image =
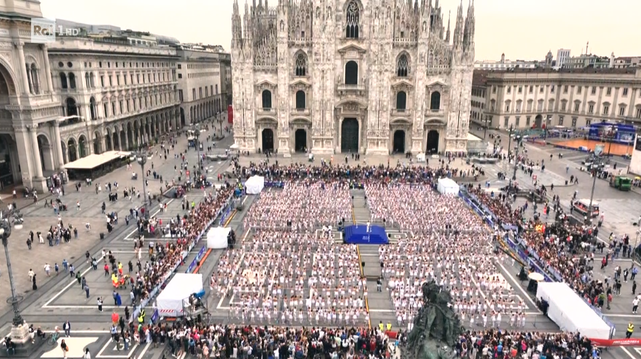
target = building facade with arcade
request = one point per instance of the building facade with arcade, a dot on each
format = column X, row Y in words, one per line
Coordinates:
column 64, row 100
column 367, row 76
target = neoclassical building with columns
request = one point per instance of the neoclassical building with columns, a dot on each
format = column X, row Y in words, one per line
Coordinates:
column 367, row 76
column 67, row 99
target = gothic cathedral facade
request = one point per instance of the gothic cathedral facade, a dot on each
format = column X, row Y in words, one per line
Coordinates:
column 337, row 76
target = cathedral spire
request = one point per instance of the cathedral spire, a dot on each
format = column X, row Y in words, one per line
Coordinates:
column 447, row 34
column 458, row 29
column 468, row 34
column 236, row 27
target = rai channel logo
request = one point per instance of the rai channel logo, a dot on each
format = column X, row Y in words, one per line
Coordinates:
column 45, row 31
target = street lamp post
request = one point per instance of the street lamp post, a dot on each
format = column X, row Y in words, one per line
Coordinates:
column 5, row 232
column 141, row 157
column 509, row 143
column 197, row 143
column 593, row 169
column 516, row 155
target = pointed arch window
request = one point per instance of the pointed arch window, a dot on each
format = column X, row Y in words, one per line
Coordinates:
column 301, row 65
column 352, row 20
column 402, row 66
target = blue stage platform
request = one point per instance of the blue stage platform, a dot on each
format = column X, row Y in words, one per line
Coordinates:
column 361, row 234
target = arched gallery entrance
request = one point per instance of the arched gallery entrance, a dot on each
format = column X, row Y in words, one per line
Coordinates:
column 349, row 135
column 300, row 140
column 268, row 140
column 432, row 142
column 538, row 121
column 398, row 145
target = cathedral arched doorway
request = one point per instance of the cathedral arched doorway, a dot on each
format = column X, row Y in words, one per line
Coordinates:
column 398, row 145
column 268, row 140
column 300, row 140
column 538, row 121
column 432, row 142
column 349, row 135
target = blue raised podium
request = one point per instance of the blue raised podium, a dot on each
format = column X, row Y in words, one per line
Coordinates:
column 363, row 234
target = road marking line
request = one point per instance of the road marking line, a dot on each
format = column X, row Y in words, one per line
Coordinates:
column 142, row 355
column 70, row 284
column 625, row 350
column 382, row 311
column 109, row 342
column 526, row 296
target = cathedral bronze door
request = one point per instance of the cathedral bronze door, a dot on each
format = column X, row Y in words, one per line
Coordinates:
column 399, row 141
column 300, row 140
column 268, row 140
column 349, row 135
column 432, row 142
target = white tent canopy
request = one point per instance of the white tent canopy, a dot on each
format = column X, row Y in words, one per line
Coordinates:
column 570, row 312
column 181, row 286
column 217, row 237
column 255, row 184
column 447, row 186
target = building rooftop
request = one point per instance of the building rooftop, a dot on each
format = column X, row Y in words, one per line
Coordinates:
column 584, row 70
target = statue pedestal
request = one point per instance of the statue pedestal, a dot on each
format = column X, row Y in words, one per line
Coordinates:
column 20, row 334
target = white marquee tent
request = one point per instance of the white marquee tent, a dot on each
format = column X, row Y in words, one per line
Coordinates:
column 447, row 186
column 217, row 237
column 570, row 312
column 170, row 301
column 255, row 184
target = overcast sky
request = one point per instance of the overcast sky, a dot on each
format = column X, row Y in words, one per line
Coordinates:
column 522, row 29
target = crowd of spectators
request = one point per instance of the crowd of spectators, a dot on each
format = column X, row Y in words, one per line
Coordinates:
column 167, row 257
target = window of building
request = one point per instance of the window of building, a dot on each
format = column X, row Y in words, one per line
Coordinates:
column 402, row 66
column 591, row 108
column 606, row 109
column 105, row 109
column 509, row 89
column 180, row 76
column 520, row 89
column 577, row 106
column 588, row 121
column 540, row 91
column 180, row 95
column 579, row 89
column 563, row 105
column 200, row 92
column 518, row 121
column 117, row 80
column 560, row 120
column 608, row 92
column 625, row 91
column 552, row 89
column 527, row 121
column 574, row 119
column 352, row 20
column 594, row 90
column 531, row 88
column 638, row 112
column 180, row 66
column 494, row 89
column 506, row 121
column 565, row 89
column 193, row 94
column 622, row 111
column 507, row 106
column 110, row 81
column 301, row 64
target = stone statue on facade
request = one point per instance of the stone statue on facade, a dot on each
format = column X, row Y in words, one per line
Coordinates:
column 437, row 328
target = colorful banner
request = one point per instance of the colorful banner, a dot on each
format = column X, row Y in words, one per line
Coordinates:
column 632, row 342
column 230, row 114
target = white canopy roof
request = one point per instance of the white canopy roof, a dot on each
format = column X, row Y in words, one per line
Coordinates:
column 94, row 160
